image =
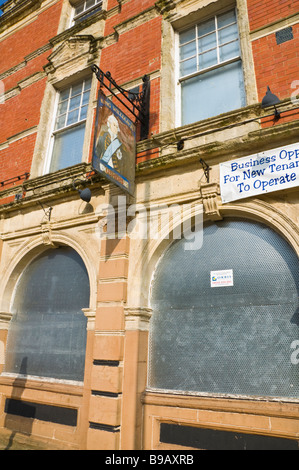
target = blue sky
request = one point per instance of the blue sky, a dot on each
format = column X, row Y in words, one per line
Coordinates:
column 1, row 3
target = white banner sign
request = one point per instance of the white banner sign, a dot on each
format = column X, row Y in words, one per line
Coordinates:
column 260, row 173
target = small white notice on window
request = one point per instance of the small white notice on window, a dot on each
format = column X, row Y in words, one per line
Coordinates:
column 222, row 278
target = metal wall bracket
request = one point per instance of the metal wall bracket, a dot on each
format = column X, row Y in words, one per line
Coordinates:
column 206, row 169
column 136, row 103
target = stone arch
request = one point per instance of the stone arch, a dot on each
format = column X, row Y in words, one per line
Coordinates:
column 259, row 307
column 30, row 250
column 50, row 322
column 150, row 251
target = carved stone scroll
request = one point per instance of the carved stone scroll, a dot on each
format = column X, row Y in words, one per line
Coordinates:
column 210, row 199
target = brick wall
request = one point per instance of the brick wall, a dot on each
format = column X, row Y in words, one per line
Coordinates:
column 128, row 10
column 266, row 12
column 135, row 52
column 22, row 111
column 16, row 46
column 24, row 86
column 276, row 65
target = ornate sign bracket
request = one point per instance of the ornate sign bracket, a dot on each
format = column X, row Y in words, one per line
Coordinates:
column 139, row 102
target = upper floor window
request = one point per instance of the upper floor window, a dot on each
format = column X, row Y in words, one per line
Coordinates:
column 85, row 8
column 210, row 68
column 69, row 129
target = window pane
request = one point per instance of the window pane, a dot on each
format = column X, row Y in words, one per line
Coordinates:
column 228, row 34
column 75, row 102
column 233, row 340
column 87, row 84
column 76, row 89
column 229, row 51
column 68, row 148
column 60, row 122
column 62, row 107
column 188, row 50
column 48, row 329
column 85, row 99
column 89, row 4
column 207, row 59
column 188, row 66
column 207, row 42
column 79, row 8
column 187, row 36
column 73, row 117
column 226, row 18
column 83, row 112
column 213, row 93
column 64, row 94
column 206, row 27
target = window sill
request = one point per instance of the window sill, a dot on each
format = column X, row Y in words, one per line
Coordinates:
column 270, row 406
column 42, row 383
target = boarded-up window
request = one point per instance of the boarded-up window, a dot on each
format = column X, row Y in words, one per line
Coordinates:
column 48, row 328
column 235, row 338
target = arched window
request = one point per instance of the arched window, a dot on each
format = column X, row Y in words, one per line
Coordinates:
column 229, row 339
column 48, row 327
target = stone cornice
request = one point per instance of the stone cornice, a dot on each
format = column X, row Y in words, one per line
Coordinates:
column 23, row 64
column 59, row 184
column 47, row 229
column 219, row 149
column 16, row 10
column 137, row 318
column 5, row 317
column 172, row 136
column 48, row 187
column 249, row 141
column 274, row 26
column 164, row 6
column 24, row 83
column 70, row 50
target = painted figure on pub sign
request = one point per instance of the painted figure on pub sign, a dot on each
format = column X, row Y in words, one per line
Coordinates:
column 114, row 151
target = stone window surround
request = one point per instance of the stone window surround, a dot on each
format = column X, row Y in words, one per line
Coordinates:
column 67, row 14
column 86, row 10
column 185, row 14
column 68, row 63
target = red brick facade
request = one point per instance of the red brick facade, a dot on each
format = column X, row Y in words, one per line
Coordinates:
column 262, row 15
column 135, row 53
column 43, row 53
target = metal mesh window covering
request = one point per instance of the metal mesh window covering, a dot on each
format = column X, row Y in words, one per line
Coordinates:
column 47, row 334
column 284, row 35
column 227, row 340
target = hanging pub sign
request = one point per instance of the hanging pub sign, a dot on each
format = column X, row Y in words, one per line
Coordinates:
column 260, row 173
column 114, row 149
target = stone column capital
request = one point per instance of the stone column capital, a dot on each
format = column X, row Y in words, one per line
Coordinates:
column 137, row 318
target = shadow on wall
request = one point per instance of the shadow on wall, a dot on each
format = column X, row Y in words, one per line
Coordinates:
column 12, row 405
